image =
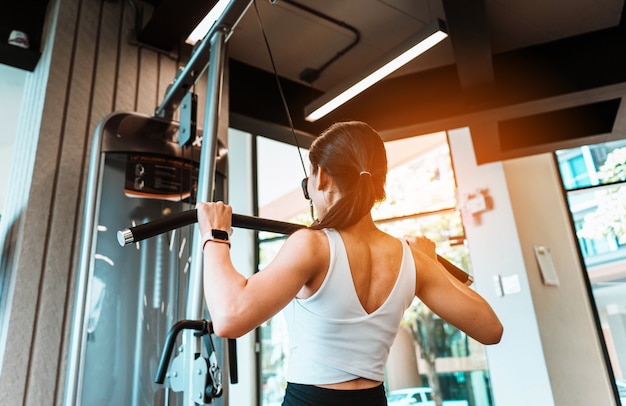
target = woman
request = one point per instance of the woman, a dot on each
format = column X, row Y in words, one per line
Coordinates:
column 344, row 283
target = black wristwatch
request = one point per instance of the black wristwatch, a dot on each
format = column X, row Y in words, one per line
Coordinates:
column 217, row 236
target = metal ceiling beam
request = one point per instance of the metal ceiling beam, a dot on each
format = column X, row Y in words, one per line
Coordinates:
column 199, row 60
column 468, row 30
column 171, row 23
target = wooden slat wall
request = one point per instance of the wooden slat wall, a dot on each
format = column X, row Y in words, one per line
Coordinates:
column 89, row 69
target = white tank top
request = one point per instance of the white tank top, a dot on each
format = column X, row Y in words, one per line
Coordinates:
column 332, row 338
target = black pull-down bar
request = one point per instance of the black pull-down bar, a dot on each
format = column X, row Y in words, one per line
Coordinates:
column 185, row 218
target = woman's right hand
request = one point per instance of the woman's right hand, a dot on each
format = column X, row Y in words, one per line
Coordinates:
column 214, row 216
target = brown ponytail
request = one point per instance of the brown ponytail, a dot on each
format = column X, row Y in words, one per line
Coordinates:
column 354, row 155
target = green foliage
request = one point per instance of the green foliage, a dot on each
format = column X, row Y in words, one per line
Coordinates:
column 614, row 168
column 609, row 218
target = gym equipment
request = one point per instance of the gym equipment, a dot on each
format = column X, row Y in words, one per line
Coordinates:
column 112, row 350
column 143, row 231
column 159, row 181
column 126, row 300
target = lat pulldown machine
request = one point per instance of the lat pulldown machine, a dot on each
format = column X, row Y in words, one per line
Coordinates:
column 194, row 372
column 205, row 383
column 123, row 299
column 203, row 389
column 201, row 382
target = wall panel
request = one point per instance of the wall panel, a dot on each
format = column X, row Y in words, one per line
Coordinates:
column 126, row 79
column 147, row 90
column 69, row 130
column 105, row 69
column 23, row 334
column 90, row 68
column 168, row 67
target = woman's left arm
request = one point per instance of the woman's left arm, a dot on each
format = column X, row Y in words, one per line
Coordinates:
column 452, row 300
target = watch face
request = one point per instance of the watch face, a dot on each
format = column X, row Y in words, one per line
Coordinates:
column 220, row 234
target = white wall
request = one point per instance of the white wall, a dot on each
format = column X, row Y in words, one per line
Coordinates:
column 11, row 89
column 550, row 352
column 517, row 365
column 573, row 353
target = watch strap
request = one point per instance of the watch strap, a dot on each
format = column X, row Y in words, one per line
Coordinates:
column 215, row 235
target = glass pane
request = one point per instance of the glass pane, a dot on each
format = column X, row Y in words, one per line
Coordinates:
column 280, row 173
column 280, row 198
column 447, row 358
column 599, row 217
column 420, row 177
column 445, row 229
column 274, row 342
column 592, row 165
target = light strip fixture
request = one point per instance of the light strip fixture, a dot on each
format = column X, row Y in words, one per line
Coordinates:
column 207, row 22
column 410, row 49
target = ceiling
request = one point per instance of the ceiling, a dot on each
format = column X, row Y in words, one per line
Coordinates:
column 522, row 74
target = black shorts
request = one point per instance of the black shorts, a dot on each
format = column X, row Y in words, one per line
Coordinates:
column 309, row 395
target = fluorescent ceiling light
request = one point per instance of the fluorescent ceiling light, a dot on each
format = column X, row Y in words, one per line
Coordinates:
column 207, row 22
column 419, row 43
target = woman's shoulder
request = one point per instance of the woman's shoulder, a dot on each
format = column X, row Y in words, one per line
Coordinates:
column 308, row 236
column 307, row 249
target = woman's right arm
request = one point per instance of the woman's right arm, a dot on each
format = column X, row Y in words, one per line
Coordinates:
column 237, row 304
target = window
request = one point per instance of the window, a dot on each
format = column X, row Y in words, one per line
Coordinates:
column 594, row 179
column 280, row 197
column 421, row 191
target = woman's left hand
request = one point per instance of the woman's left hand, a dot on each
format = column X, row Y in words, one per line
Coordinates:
column 214, row 216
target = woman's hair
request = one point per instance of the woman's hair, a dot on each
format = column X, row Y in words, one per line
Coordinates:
column 354, row 155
